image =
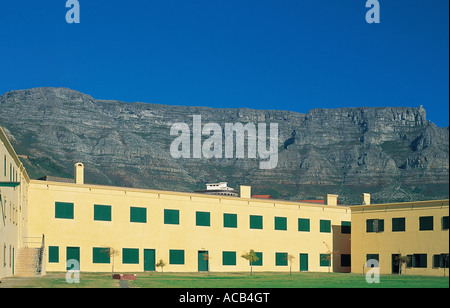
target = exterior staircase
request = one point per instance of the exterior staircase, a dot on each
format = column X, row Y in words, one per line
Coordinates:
column 30, row 261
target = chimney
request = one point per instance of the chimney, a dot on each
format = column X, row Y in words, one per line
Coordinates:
column 330, row 199
column 245, row 191
column 365, row 199
column 79, row 173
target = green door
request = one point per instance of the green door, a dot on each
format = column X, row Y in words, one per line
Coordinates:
column 73, row 253
column 203, row 261
column 149, row 260
column 303, row 262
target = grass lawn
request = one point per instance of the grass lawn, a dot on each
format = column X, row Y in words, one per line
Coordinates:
column 229, row 280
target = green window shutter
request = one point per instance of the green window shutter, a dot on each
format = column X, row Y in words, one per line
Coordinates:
column 130, row 255
column 346, row 227
column 202, row 219
column 102, row 212
column 281, row 259
column 420, row 260
column 437, row 261
column 256, row 222
column 138, row 214
column 325, row 226
column 281, row 223
column 258, row 262
column 373, row 257
column 398, row 224
column 172, row 217
column 409, row 264
column 380, row 225
column 53, row 254
column 445, row 260
column 303, row 224
column 369, row 225
column 445, row 223
column 176, row 256
column 325, row 259
column 229, row 258
column 100, row 255
column 230, row 220
column 64, row 210
column 426, row 223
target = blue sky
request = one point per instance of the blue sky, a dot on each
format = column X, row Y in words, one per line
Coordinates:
column 285, row 54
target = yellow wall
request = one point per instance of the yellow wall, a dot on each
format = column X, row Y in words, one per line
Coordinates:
column 408, row 242
column 85, row 232
column 13, row 206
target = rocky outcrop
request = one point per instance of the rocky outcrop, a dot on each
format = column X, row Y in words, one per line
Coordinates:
column 394, row 153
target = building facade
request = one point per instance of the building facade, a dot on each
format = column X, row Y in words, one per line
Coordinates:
column 132, row 229
column 416, row 231
column 13, row 206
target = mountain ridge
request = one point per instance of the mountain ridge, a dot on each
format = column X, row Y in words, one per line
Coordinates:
column 395, row 153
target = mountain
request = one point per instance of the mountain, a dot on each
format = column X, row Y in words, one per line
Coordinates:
column 394, row 153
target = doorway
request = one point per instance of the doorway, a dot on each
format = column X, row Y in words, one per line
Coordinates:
column 395, row 264
column 203, row 261
column 303, row 262
column 149, row 260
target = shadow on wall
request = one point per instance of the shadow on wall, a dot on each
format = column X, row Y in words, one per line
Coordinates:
column 341, row 250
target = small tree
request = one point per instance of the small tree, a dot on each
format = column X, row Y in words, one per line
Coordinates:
column 111, row 253
column 251, row 257
column 327, row 257
column 402, row 260
column 161, row 264
column 206, row 257
column 290, row 258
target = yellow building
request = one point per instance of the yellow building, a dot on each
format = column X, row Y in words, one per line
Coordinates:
column 415, row 230
column 13, row 206
column 189, row 231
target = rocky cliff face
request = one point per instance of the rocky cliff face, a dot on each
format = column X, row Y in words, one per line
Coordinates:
column 393, row 153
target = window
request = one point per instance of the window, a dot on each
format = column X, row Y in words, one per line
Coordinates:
column 202, row 219
column 259, row 262
column 53, row 254
column 445, row 223
column 346, row 227
column 138, row 214
column 229, row 220
column 325, row 259
column 172, row 217
column 64, row 210
column 420, row 260
column 229, row 258
column 303, row 224
column 441, row 260
column 346, row 260
column 375, row 225
column 426, row 223
column 398, row 224
column 256, row 222
column 176, row 256
column 375, row 257
column 409, row 264
column 102, row 255
column 130, row 255
column 102, row 212
column 325, row 226
column 281, row 259
column 281, row 223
